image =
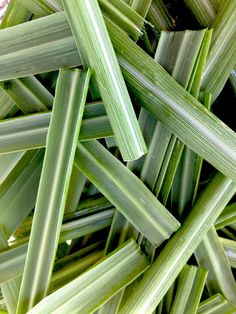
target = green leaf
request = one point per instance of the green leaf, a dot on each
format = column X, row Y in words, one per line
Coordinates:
column 12, row 262
column 77, row 183
column 210, row 255
column 88, row 27
column 160, row 276
column 216, row 305
column 123, row 16
column 87, row 225
column 7, row 106
column 141, row 7
column 29, row 94
column 89, row 291
column 222, row 55
column 10, row 291
column 19, row 189
column 159, row 16
column 71, row 92
column 15, row 14
column 172, row 105
column 227, row 217
column 190, row 284
column 24, row 44
column 204, row 10
column 38, row 8
column 125, row 191
column 30, row 132
column 230, row 250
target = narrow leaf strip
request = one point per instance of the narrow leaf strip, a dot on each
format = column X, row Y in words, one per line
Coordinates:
column 210, row 255
column 160, row 276
column 89, row 291
column 141, row 7
column 29, row 94
column 7, row 106
column 15, row 14
column 190, row 284
column 88, row 28
column 222, row 55
column 216, row 304
column 230, row 250
column 10, row 291
column 71, row 92
column 159, row 16
column 125, row 191
column 24, row 43
column 19, row 189
column 30, row 132
column 203, row 10
column 227, row 217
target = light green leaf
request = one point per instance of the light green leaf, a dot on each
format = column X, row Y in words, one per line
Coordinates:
column 222, row 54
column 15, row 14
column 29, row 94
column 210, row 255
column 88, row 28
column 190, row 284
column 227, row 217
column 230, row 250
column 125, row 191
column 71, row 92
column 19, row 189
column 216, row 305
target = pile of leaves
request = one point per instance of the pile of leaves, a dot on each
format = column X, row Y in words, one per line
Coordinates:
column 118, row 157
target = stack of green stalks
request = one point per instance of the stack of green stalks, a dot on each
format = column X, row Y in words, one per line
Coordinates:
column 118, row 157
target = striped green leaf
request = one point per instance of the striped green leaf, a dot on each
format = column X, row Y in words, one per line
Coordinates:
column 210, row 255
column 227, row 217
column 29, row 94
column 204, row 10
column 230, row 250
column 125, row 191
column 159, row 16
column 15, row 14
column 141, row 7
column 19, row 189
column 190, row 284
column 71, row 92
column 88, row 28
column 7, row 106
column 222, row 54
column 216, row 305
column 29, row 40
column 10, row 291
column 30, row 132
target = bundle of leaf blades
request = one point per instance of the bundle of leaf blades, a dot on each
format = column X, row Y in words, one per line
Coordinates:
column 118, row 166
